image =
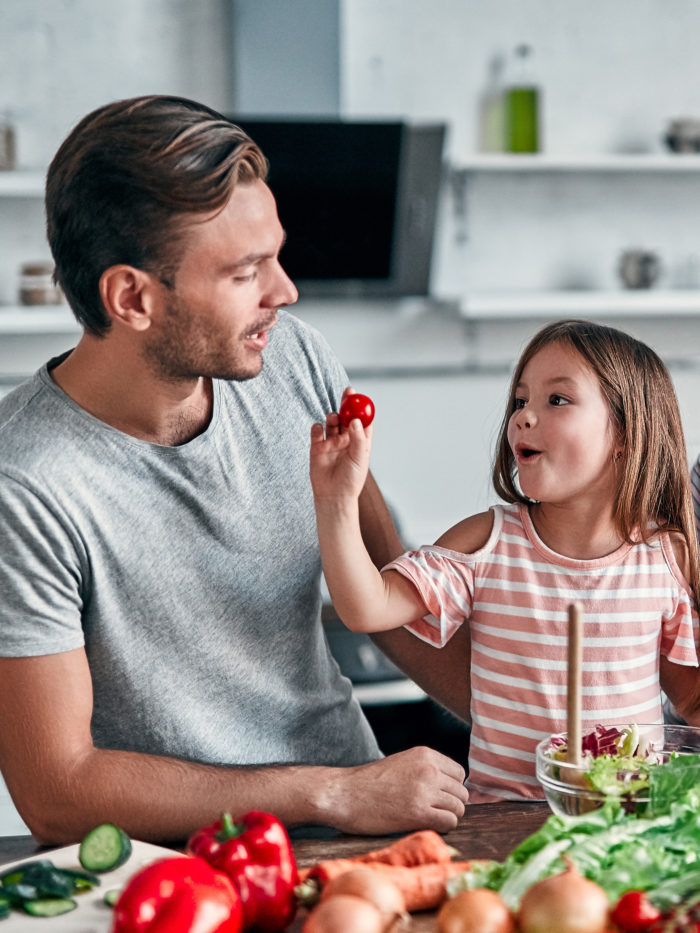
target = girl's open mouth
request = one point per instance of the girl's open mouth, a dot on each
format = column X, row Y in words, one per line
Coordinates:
column 525, row 453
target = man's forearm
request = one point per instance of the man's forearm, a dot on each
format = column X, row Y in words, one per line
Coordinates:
column 166, row 799
column 442, row 672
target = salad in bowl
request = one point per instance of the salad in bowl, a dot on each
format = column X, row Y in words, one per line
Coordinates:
column 645, row 767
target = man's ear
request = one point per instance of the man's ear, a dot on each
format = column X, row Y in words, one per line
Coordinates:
column 128, row 295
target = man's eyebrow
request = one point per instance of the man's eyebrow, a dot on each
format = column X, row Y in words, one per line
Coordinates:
column 252, row 258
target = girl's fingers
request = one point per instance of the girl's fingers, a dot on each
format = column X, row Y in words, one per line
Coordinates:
column 316, row 433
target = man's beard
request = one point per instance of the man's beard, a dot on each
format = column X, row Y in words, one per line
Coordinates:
column 187, row 348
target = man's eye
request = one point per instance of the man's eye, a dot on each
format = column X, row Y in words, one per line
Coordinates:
column 244, row 278
column 558, row 400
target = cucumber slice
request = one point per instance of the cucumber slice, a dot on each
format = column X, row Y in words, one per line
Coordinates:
column 105, row 847
column 111, row 897
column 5, row 906
column 50, row 906
column 48, row 880
column 15, row 875
column 19, row 893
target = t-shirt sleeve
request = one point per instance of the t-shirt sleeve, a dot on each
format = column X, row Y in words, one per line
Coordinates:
column 40, row 608
column 680, row 633
column 445, row 585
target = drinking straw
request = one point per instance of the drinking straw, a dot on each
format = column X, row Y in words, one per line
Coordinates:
column 573, row 694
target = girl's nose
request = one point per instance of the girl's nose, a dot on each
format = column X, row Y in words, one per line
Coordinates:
column 525, row 417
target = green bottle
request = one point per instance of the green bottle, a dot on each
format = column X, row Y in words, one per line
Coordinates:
column 522, row 107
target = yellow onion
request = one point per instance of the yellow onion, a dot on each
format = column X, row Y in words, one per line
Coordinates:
column 564, row 903
column 477, row 911
column 344, row 913
column 370, row 886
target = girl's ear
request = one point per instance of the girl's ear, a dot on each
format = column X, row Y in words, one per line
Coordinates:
column 128, row 295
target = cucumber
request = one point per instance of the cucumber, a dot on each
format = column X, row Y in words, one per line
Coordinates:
column 112, row 896
column 50, row 906
column 5, row 906
column 104, row 848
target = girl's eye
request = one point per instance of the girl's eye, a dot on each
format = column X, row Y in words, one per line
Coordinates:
column 520, row 403
column 558, row 400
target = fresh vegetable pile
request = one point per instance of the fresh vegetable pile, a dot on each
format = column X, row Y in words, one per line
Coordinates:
column 651, row 862
column 374, row 892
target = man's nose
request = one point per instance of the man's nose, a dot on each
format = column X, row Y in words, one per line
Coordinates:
column 282, row 290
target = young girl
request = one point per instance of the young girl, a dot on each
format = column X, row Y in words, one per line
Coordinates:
column 591, row 462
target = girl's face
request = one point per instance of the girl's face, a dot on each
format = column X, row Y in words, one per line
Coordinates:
column 561, row 432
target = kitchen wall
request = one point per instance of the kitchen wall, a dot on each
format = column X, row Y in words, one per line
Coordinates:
column 613, row 73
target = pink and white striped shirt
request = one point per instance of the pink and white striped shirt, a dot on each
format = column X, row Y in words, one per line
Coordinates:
column 515, row 592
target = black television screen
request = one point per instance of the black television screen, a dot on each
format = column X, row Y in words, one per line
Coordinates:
column 357, row 199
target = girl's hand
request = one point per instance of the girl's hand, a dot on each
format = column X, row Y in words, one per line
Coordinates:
column 339, row 462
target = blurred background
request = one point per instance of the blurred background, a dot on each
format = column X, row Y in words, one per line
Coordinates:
column 509, row 163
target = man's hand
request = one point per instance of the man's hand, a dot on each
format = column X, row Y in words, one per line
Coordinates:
column 415, row 789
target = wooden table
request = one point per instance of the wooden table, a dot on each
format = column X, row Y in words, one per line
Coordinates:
column 487, row 831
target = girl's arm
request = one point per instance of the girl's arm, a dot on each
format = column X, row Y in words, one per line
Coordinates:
column 365, row 599
column 681, row 683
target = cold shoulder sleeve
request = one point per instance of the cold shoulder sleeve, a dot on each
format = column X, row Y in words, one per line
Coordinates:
column 445, row 581
column 679, row 632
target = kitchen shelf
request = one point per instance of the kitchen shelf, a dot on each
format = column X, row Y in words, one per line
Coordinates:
column 540, row 162
column 37, row 319
column 22, row 184
column 641, row 303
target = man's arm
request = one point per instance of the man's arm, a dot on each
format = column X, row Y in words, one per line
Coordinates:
column 62, row 785
column 443, row 673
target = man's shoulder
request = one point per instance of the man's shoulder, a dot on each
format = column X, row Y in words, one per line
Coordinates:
column 30, row 426
column 19, row 406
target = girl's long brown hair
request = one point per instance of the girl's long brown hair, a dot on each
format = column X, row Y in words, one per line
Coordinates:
column 654, row 481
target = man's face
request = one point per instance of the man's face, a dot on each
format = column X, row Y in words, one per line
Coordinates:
column 227, row 291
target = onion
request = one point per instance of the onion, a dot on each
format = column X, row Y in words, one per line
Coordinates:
column 344, row 913
column 477, row 911
column 372, row 887
column 564, row 903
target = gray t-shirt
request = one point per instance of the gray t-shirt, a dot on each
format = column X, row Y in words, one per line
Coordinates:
column 191, row 574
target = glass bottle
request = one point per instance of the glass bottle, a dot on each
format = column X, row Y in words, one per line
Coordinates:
column 492, row 122
column 522, row 106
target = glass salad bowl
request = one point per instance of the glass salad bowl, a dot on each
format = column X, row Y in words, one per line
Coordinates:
column 644, row 767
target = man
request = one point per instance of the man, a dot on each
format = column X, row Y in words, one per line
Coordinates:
column 162, row 653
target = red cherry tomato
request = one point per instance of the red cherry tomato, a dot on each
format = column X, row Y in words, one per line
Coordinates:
column 356, row 406
column 634, row 912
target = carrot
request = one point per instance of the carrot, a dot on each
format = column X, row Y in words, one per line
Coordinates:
column 420, row 848
column 415, row 849
column 424, row 887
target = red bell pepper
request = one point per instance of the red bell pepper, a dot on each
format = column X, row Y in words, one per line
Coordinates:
column 178, row 895
column 256, row 854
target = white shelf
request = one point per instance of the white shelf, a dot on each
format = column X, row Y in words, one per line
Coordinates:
column 37, row 319
column 642, row 303
column 22, row 184
column 541, row 162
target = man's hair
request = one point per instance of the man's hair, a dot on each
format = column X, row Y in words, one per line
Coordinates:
column 654, row 482
column 124, row 184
